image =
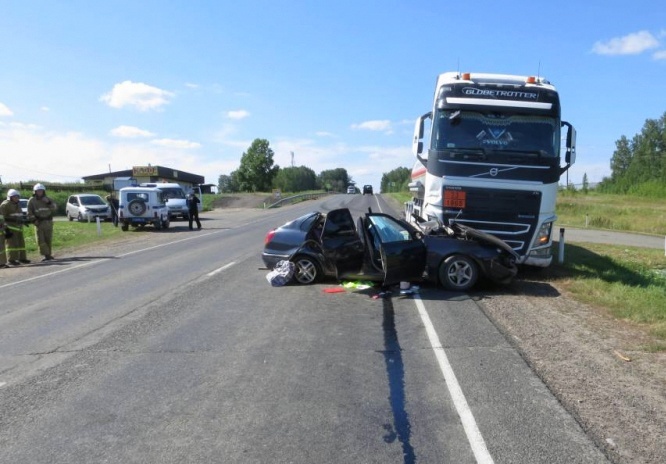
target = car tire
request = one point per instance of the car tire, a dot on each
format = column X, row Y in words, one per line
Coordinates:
column 79, row 218
column 69, row 217
column 136, row 207
column 458, row 272
column 307, row 270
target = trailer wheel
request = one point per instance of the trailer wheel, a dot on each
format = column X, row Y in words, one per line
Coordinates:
column 458, row 273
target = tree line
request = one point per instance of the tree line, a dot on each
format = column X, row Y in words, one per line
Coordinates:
column 258, row 173
column 638, row 166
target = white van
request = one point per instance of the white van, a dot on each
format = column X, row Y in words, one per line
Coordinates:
column 176, row 197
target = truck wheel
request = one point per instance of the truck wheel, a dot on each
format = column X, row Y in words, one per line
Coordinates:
column 124, row 227
column 307, row 270
column 458, row 273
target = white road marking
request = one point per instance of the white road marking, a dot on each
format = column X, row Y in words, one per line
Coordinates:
column 220, row 269
column 472, row 431
column 98, row 260
column 378, row 205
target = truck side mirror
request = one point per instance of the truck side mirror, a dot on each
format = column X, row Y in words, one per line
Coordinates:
column 570, row 156
column 417, row 141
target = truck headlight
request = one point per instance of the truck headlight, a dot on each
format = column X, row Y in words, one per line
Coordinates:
column 543, row 235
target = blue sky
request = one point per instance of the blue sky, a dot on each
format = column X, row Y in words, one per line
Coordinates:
column 88, row 85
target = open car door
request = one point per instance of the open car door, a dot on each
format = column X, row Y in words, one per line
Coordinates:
column 394, row 247
column 341, row 246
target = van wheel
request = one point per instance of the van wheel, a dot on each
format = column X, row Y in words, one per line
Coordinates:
column 307, row 270
column 70, row 217
column 124, row 227
column 458, row 273
column 79, row 218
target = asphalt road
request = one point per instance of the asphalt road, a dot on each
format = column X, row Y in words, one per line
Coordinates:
column 174, row 348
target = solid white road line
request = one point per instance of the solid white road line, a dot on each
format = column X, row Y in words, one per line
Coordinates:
column 472, row 431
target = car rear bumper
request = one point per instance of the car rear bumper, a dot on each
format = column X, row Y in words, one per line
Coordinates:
column 270, row 260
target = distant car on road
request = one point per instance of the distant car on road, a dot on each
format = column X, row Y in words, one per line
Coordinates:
column 351, row 189
column 367, row 189
column 141, row 206
column 87, row 207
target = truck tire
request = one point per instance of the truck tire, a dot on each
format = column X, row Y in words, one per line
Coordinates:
column 458, row 272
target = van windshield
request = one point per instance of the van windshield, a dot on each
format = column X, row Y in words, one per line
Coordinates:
column 172, row 192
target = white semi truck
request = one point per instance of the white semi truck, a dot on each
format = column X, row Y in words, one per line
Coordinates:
column 493, row 159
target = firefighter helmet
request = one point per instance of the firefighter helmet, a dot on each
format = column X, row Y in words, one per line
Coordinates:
column 13, row 193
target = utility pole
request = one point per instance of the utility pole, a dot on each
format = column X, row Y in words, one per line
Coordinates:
column 292, row 159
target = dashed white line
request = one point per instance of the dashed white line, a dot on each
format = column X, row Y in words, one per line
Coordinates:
column 472, row 431
column 220, row 269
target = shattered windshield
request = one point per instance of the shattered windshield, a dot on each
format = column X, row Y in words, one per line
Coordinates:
column 494, row 132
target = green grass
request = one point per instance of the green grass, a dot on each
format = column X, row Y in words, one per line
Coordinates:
column 629, row 282
column 616, row 212
column 70, row 234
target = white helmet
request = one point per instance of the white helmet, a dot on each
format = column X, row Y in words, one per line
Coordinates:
column 13, row 193
column 38, row 187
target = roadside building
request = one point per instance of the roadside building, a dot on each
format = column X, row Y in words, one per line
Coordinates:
column 144, row 174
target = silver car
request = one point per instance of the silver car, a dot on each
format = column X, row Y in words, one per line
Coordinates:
column 87, row 207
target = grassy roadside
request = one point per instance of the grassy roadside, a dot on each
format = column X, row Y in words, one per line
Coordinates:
column 628, row 282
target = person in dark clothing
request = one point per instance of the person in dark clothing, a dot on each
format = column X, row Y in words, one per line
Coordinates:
column 114, row 203
column 193, row 206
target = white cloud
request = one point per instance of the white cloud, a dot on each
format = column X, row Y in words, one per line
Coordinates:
column 139, row 95
column 324, row 134
column 5, row 111
column 45, row 109
column 660, row 55
column 631, row 44
column 173, row 143
column 191, row 86
column 239, row 114
column 377, row 125
column 130, row 132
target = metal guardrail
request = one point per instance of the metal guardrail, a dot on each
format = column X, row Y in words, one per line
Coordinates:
column 297, row 198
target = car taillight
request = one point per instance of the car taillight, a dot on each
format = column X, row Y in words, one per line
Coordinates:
column 269, row 237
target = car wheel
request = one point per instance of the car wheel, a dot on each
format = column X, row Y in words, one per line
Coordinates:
column 307, row 270
column 69, row 217
column 79, row 218
column 166, row 224
column 458, row 272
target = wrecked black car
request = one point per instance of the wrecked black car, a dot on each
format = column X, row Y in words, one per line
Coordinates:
column 381, row 248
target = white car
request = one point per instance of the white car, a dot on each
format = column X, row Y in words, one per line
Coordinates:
column 87, row 207
column 140, row 206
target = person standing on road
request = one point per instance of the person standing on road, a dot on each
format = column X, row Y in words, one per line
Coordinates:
column 11, row 210
column 4, row 232
column 193, row 209
column 40, row 213
column 114, row 204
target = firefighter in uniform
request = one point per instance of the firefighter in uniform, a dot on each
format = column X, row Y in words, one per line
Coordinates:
column 3, row 231
column 40, row 213
column 11, row 210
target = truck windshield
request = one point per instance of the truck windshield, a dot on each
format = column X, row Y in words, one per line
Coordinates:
column 496, row 133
